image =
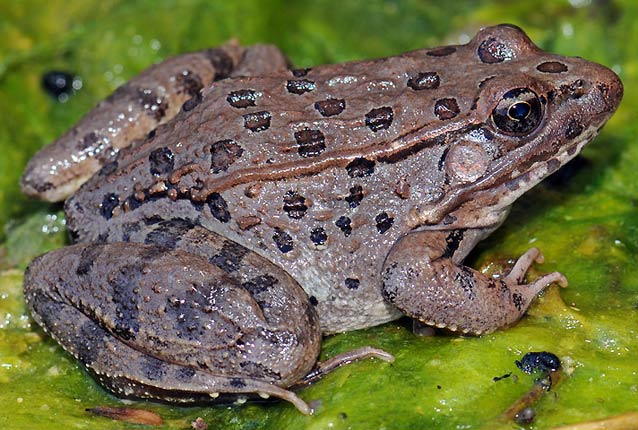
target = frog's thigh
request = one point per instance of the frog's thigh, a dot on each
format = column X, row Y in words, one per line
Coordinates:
column 167, row 324
column 424, row 277
column 136, row 108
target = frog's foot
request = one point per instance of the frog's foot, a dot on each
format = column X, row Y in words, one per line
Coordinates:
column 135, row 110
column 524, row 262
column 160, row 323
column 321, row 369
column 423, row 277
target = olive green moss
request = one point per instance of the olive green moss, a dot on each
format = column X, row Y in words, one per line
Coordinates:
column 586, row 221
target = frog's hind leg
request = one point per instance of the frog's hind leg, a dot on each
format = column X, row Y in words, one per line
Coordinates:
column 424, row 277
column 160, row 322
column 129, row 372
column 134, row 110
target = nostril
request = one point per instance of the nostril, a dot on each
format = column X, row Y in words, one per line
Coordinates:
column 578, row 88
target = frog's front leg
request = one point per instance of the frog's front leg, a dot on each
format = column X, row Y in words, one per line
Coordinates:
column 154, row 322
column 424, row 277
column 148, row 100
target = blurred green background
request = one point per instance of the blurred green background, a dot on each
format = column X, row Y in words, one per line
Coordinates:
column 587, row 225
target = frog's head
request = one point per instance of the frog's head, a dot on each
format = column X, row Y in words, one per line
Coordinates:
column 533, row 112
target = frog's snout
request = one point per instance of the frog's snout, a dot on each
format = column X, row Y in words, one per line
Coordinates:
column 611, row 89
column 605, row 91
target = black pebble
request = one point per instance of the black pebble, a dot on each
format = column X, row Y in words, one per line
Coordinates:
column 61, row 84
column 538, row 361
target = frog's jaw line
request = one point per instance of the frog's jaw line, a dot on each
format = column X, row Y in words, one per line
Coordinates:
column 524, row 179
column 532, row 177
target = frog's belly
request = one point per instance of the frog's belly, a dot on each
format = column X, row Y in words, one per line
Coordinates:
column 342, row 306
column 343, row 309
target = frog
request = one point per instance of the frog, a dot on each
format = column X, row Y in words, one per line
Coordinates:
column 227, row 210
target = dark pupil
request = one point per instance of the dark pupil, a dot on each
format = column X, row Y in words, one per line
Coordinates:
column 519, row 111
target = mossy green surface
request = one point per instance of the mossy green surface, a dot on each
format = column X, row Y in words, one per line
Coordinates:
column 586, row 226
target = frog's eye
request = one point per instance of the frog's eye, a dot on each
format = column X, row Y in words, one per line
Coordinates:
column 518, row 113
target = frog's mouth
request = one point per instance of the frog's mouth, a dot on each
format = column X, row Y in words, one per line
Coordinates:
column 533, row 172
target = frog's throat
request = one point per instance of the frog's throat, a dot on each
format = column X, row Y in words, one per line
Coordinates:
column 507, row 179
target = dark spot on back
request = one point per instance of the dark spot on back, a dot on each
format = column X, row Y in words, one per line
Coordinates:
column 257, row 121
column 189, row 83
column 443, row 51
column 242, row 99
column 352, row 283
column 300, row 86
column 318, row 236
column 379, row 118
column 221, row 62
column 384, row 222
column 229, row 257
column 313, row 300
column 224, row 153
column 355, row 196
column 218, row 207
column 551, row 67
column 446, row 108
column 283, row 240
column 311, row 142
column 449, row 219
column 109, row 202
column 493, row 51
column 424, row 81
column 345, row 225
column 330, row 107
column 161, row 161
column 295, row 205
column 360, row 167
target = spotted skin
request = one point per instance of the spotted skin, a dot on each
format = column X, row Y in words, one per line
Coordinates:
column 280, row 205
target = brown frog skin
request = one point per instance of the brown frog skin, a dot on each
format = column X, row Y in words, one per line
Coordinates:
column 278, row 205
